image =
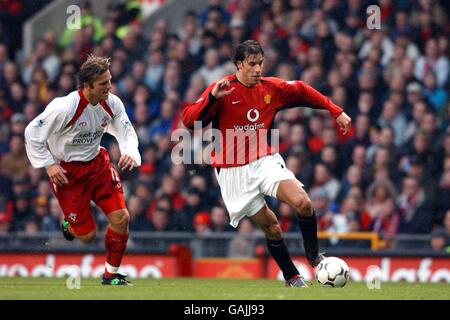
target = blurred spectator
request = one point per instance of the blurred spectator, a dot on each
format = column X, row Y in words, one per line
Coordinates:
column 416, row 211
column 321, row 202
column 211, row 70
column 202, row 222
column 185, row 217
column 22, row 212
column 45, row 57
column 324, row 178
column 287, row 218
column 160, row 220
column 353, row 178
column 6, row 212
column 387, row 220
column 440, row 240
column 443, row 199
column 138, row 220
column 220, row 222
column 392, row 117
column 432, row 61
column 378, row 40
column 447, row 222
column 429, row 126
column 52, row 220
column 378, row 193
column 418, row 110
column 15, row 162
column 436, row 96
column 243, row 244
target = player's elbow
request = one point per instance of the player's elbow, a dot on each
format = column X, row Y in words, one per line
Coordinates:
column 27, row 133
column 186, row 119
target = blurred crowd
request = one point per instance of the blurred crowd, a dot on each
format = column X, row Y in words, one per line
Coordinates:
column 390, row 175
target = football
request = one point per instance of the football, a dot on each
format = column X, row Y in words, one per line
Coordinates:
column 332, row 272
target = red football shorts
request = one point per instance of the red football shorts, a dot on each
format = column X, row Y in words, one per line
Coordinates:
column 95, row 180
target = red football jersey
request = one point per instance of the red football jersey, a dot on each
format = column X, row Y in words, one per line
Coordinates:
column 245, row 117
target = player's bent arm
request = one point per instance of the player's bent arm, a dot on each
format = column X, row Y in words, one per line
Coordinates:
column 122, row 129
column 37, row 152
column 39, row 130
column 201, row 110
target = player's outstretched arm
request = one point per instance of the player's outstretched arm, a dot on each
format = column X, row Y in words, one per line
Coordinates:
column 344, row 122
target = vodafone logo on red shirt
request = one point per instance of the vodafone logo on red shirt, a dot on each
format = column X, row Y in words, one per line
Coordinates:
column 252, row 115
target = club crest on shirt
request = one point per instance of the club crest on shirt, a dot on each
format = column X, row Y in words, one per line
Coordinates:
column 39, row 123
column 126, row 123
column 104, row 121
column 267, row 98
column 72, row 217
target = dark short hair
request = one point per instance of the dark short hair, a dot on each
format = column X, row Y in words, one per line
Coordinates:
column 91, row 69
column 245, row 49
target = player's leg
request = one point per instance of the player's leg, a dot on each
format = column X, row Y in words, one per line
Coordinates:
column 70, row 232
column 267, row 221
column 108, row 195
column 74, row 202
column 291, row 192
column 116, row 237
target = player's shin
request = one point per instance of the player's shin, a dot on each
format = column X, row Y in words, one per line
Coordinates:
column 115, row 245
column 308, row 227
column 280, row 253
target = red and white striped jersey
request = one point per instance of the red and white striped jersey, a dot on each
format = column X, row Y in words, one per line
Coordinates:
column 70, row 129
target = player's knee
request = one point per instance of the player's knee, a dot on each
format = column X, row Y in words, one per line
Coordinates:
column 88, row 237
column 303, row 206
column 274, row 231
column 121, row 220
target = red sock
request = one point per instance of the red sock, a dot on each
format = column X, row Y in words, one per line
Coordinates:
column 115, row 244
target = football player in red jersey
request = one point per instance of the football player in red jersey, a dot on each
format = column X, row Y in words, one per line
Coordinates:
column 247, row 102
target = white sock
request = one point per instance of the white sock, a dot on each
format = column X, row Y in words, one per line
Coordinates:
column 110, row 268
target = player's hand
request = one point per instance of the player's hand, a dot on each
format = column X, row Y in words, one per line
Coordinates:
column 344, row 122
column 219, row 89
column 56, row 175
column 126, row 162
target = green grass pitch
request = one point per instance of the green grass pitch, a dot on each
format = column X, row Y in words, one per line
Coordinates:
column 212, row 289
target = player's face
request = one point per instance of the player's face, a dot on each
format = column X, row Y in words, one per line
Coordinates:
column 250, row 70
column 101, row 86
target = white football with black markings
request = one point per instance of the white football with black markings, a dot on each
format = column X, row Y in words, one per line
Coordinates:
column 332, row 272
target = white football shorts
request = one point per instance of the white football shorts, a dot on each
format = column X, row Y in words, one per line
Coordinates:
column 243, row 187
